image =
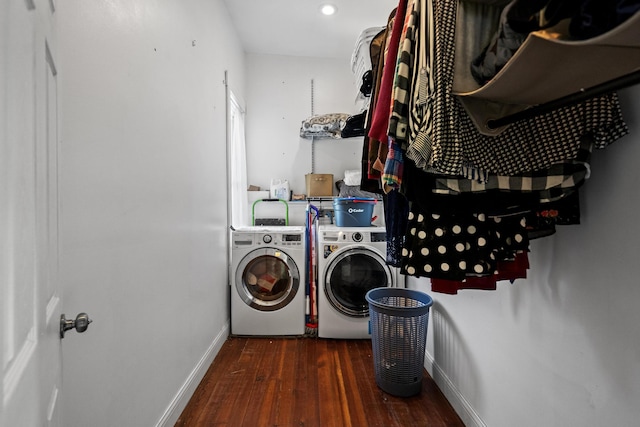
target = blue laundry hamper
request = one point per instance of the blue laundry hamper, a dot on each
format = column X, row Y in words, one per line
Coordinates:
column 399, row 318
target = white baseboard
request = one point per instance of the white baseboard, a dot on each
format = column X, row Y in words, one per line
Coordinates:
column 181, row 399
column 463, row 408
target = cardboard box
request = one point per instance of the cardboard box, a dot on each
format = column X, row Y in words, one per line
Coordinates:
column 319, row 185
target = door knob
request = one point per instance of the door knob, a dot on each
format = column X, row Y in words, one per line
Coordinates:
column 81, row 323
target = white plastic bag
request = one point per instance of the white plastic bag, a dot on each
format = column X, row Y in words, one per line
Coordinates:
column 352, row 177
column 280, row 189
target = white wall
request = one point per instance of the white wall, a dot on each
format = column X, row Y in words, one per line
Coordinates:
column 278, row 100
column 143, row 222
column 561, row 348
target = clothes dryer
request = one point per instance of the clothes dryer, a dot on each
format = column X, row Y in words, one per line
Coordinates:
column 268, row 271
column 351, row 261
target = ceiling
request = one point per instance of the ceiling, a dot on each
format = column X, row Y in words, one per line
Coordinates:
column 297, row 28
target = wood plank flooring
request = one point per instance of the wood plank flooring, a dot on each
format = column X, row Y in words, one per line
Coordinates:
column 306, row 382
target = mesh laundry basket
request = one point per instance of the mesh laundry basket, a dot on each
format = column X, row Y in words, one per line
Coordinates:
column 399, row 319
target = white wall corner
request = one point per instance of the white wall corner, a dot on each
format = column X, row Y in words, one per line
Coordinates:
column 463, row 408
column 180, row 401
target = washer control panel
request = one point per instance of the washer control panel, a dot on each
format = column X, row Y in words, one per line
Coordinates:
column 348, row 236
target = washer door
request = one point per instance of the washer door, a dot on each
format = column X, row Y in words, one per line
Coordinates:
column 267, row 279
column 350, row 275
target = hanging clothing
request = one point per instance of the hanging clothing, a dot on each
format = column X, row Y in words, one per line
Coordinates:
column 376, row 49
column 354, row 126
column 507, row 270
column 361, row 59
column 402, row 84
column 393, row 167
column 380, row 121
column 421, row 103
column 542, row 221
column 461, row 244
column 373, row 144
column 463, row 206
column 552, row 183
column 504, row 44
column 396, row 213
column 390, row 157
column 595, row 17
column 527, row 145
column 479, row 22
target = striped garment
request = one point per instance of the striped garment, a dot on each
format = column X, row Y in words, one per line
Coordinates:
column 420, row 147
column 552, row 183
column 532, row 144
column 399, row 120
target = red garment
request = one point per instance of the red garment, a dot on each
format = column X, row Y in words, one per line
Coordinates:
column 507, row 270
column 380, row 120
column 512, row 270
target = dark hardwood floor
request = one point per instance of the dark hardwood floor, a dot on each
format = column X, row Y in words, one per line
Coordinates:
column 306, row 382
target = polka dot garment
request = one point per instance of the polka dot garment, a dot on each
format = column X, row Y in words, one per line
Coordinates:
column 455, row 246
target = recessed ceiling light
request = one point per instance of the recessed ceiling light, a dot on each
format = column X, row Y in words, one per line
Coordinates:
column 328, row 9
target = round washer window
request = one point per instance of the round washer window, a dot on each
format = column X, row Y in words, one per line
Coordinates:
column 350, row 275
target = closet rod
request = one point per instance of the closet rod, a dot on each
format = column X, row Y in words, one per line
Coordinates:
column 601, row 89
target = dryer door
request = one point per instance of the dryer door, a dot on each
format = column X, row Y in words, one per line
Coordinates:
column 267, row 279
column 350, row 275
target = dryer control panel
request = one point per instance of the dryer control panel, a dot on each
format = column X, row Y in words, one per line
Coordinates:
column 266, row 238
column 292, row 238
column 278, row 239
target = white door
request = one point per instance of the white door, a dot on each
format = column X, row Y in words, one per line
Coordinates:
column 30, row 295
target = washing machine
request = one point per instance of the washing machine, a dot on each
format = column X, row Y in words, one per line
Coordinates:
column 351, row 261
column 268, row 270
